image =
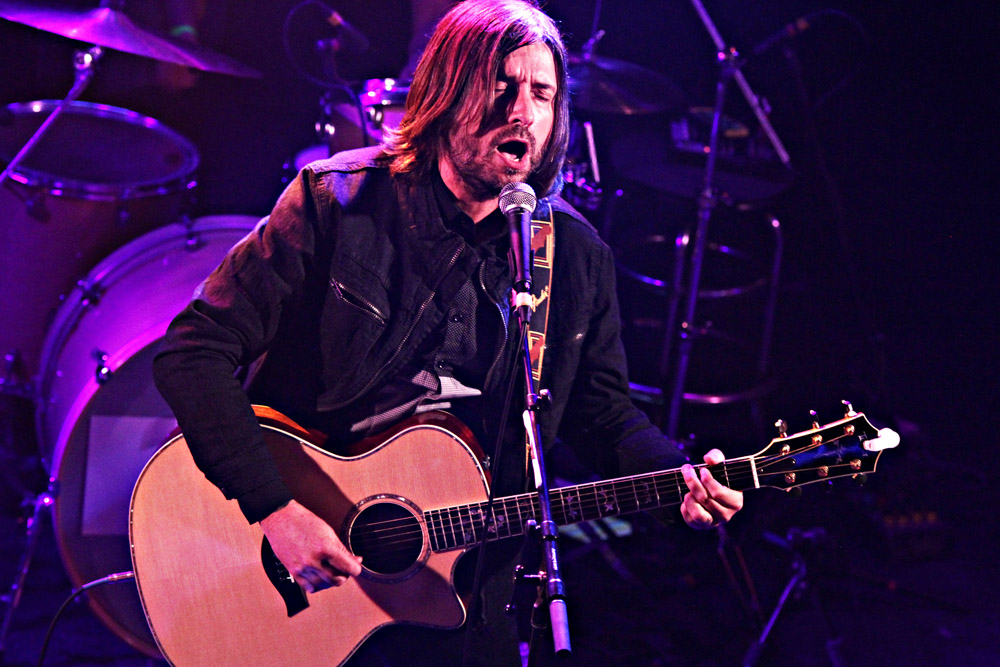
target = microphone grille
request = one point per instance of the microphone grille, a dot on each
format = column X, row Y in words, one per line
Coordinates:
column 517, row 195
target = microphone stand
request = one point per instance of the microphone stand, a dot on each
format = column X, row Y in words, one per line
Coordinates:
column 551, row 588
column 729, row 71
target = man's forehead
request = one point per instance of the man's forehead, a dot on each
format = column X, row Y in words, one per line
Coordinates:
column 533, row 59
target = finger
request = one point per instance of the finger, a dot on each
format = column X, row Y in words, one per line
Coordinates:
column 312, row 580
column 714, row 456
column 694, row 485
column 723, row 495
column 695, row 515
column 342, row 562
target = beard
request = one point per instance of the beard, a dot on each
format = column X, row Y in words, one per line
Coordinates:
column 477, row 170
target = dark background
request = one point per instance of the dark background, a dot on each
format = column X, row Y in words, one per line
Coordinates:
column 885, row 298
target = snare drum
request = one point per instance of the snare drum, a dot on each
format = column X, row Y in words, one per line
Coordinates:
column 99, row 417
column 99, row 177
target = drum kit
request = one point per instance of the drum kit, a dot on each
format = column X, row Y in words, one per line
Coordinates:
column 93, row 202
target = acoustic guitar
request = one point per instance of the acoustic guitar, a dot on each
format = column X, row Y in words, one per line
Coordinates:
column 411, row 505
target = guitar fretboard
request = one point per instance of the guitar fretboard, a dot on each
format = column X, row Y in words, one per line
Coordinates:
column 462, row 526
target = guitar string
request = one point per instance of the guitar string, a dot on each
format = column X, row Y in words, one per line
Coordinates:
column 657, row 477
column 450, row 540
column 587, row 500
column 463, row 515
column 586, row 497
column 470, row 520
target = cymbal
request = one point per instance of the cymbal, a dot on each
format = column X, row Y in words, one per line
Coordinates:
column 111, row 28
column 606, row 85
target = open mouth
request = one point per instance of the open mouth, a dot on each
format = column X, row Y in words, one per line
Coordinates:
column 514, row 150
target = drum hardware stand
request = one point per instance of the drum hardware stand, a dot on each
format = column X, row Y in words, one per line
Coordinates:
column 83, row 63
column 795, row 542
column 729, row 70
column 741, row 581
column 11, row 599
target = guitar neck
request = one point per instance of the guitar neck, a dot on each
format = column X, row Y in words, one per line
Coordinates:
column 462, row 526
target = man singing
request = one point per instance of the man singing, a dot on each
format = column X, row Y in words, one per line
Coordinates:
column 379, row 287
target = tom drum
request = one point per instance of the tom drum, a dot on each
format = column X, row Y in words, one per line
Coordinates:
column 99, row 177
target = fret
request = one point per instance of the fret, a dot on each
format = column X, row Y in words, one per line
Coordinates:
column 500, row 522
column 478, row 521
column 607, row 500
column 572, row 509
column 725, row 473
column 432, row 530
column 527, row 508
column 644, row 493
column 520, row 519
column 451, row 528
column 465, row 522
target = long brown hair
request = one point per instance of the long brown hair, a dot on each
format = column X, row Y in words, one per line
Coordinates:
column 457, row 74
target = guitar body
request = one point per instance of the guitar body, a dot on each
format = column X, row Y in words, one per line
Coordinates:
column 203, row 581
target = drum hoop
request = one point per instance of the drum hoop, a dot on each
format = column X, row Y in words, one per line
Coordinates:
column 119, row 263
column 53, row 185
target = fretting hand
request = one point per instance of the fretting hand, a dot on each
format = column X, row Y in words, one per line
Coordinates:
column 708, row 503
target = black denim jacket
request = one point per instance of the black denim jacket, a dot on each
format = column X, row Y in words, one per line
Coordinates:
column 338, row 285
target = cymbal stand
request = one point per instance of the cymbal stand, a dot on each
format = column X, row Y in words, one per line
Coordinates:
column 12, row 597
column 797, row 541
column 83, row 63
column 729, row 70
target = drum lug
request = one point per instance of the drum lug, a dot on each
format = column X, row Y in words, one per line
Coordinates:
column 102, row 373
column 35, row 207
column 90, row 293
column 192, row 239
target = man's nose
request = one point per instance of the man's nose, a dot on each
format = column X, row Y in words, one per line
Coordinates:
column 521, row 110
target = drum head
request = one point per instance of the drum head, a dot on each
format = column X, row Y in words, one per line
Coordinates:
column 97, row 150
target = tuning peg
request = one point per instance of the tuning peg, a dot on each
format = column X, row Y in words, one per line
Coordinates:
column 813, row 414
column 848, row 410
column 796, row 491
column 860, row 478
column 782, row 427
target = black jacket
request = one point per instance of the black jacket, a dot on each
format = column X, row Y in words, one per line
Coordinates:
column 351, row 270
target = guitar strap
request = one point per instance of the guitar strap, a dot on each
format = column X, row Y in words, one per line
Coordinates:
column 543, row 248
column 543, row 252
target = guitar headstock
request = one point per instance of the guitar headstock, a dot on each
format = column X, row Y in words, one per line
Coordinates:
column 849, row 447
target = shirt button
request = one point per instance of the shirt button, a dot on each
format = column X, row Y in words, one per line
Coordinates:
column 441, row 363
column 456, row 317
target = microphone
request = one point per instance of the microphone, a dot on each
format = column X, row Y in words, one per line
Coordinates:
column 353, row 39
column 517, row 202
column 793, row 29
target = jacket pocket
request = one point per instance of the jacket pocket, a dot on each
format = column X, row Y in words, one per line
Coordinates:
column 354, row 321
column 353, row 298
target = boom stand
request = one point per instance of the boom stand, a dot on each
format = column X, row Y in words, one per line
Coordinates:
column 729, row 71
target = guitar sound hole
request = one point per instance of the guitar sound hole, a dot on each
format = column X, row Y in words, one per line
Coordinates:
column 388, row 538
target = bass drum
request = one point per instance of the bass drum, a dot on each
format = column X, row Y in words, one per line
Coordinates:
column 99, row 177
column 100, row 418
